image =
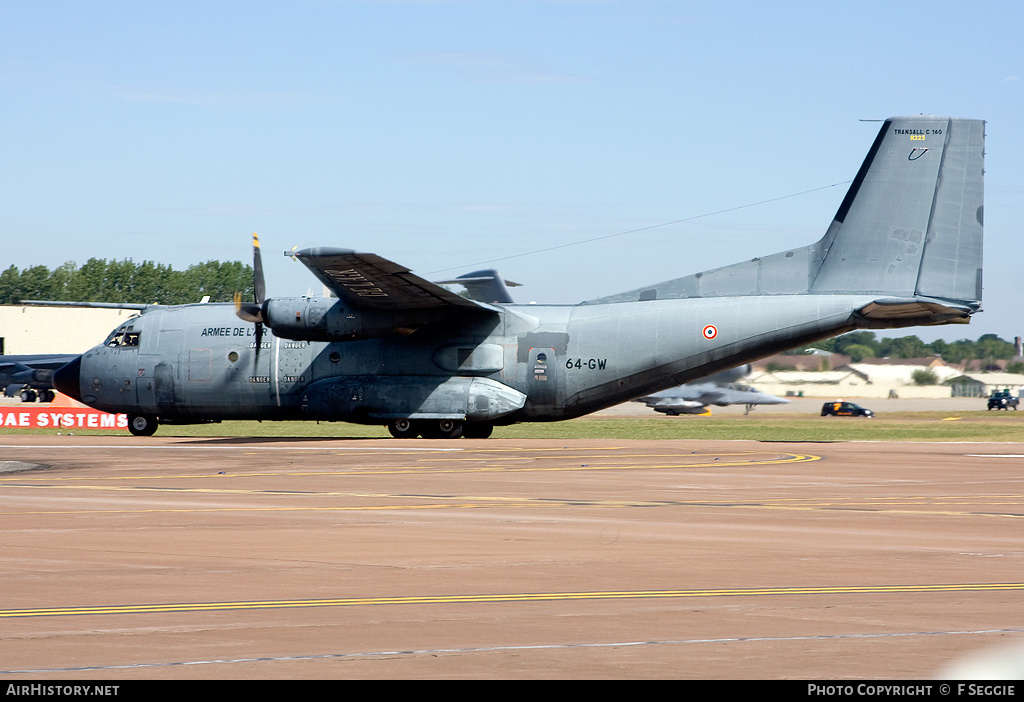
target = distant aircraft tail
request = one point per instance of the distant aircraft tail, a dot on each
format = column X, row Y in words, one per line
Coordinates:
column 909, row 231
column 484, row 286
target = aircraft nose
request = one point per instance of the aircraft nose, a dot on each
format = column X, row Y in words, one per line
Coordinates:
column 66, row 379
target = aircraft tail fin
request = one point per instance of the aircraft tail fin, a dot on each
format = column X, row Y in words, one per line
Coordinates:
column 910, row 226
column 911, row 223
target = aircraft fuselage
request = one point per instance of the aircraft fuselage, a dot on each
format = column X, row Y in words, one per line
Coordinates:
column 200, row 362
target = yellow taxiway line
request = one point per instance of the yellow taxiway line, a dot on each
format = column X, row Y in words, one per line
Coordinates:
column 505, row 597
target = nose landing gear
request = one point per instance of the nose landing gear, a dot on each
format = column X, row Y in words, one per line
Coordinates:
column 141, row 424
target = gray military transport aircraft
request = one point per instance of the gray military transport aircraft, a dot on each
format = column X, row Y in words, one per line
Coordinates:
column 904, row 249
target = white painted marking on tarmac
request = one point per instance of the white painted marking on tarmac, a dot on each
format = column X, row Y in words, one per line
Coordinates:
column 492, row 649
column 995, row 455
column 875, row 441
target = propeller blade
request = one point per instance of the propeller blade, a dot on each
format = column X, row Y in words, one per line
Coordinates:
column 248, row 311
column 253, row 311
column 259, row 285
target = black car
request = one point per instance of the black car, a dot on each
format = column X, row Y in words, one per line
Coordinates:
column 844, row 409
column 1002, row 399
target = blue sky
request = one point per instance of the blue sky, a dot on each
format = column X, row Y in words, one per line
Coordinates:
column 450, row 136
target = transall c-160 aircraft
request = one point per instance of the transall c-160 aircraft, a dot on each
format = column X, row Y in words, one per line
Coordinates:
column 904, row 249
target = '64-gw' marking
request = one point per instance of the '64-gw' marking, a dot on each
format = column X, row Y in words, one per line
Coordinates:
column 591, row 363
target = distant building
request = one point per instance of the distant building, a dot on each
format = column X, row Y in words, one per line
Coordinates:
column 927, row 361
column 978, row 365
column 793, row 383
column 814, row 360
column 884, row 377
column 57, row 330
column 984, row 384
column 898, row 372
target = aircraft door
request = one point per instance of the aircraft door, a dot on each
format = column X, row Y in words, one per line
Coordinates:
column 542, row 376
column 163, row 380
column 154, row 386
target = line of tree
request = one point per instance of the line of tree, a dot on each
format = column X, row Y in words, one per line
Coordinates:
column 100, row 280
column 863, row 344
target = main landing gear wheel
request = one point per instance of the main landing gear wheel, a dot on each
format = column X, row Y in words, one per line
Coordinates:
column 403, row 429
column 441, row 429
column 141, row 424
column 477, row 430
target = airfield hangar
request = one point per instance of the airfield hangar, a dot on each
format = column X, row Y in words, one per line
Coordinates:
column 55, row 330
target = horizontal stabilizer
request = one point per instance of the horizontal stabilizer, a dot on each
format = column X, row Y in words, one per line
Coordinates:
column 913, row 312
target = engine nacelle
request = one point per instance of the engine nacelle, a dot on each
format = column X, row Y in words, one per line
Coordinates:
column 328, row 319
column 32, row 375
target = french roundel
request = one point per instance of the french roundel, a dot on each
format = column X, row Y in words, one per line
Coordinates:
column 710, row 331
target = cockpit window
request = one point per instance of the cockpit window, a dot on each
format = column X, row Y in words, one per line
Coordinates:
column 123, row 338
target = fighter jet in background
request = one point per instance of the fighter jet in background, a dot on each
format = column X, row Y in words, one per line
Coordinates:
column 31, row 376
column 719, row 389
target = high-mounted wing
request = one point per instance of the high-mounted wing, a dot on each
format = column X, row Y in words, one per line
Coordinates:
column 375, row 297
column 368, row 281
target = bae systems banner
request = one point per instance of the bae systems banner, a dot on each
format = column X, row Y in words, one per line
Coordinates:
column 60, row 418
